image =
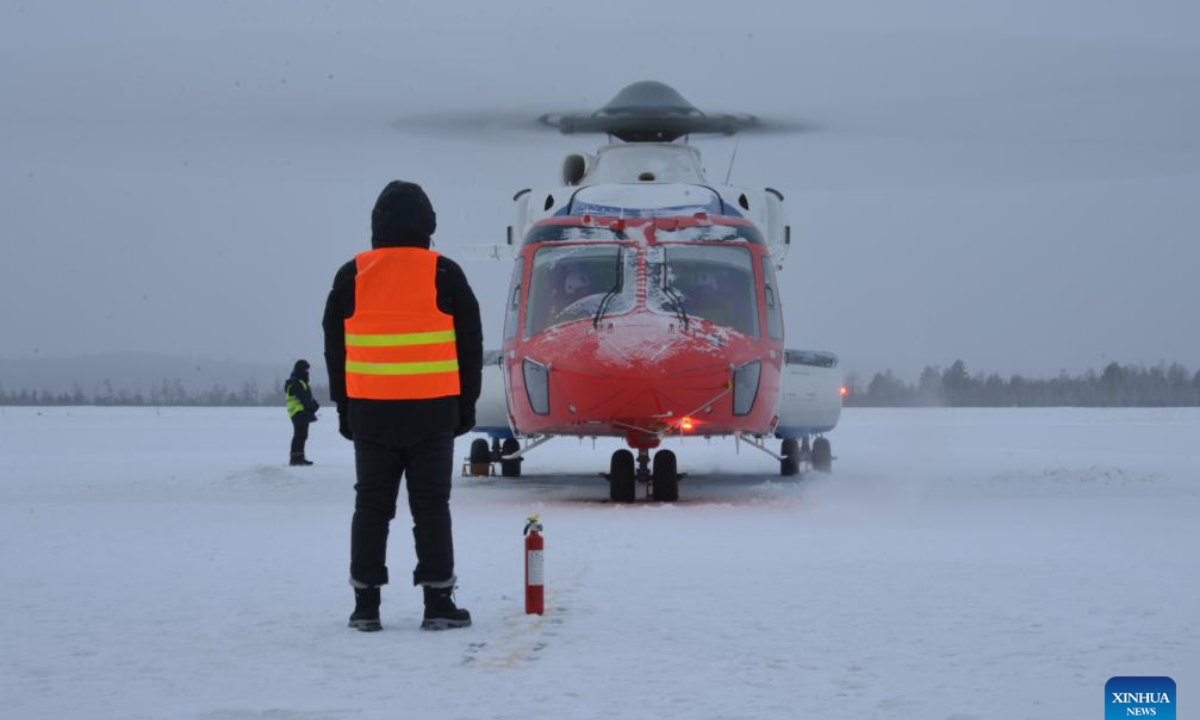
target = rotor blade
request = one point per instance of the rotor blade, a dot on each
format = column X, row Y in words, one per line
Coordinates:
column 782, row 126
column 470, row 123
column 490, row 122
column 652, row 126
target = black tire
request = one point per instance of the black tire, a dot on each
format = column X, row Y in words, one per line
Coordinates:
column 666, row 477
column 790, row 465
column 622, row 479
column 822, row 456
column 481, row 453
column 510, row 468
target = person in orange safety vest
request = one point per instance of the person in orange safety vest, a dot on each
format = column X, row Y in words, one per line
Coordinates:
column 404, row 348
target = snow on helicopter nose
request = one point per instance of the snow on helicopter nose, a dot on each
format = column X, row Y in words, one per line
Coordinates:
column 642, row 367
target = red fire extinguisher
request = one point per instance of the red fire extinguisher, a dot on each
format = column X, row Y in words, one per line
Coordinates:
column 535, row 592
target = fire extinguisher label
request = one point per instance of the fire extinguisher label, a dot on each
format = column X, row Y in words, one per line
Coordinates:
column 536, row 571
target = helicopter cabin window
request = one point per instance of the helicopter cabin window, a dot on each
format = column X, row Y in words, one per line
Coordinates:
column 579, row 282
column 774, row 305
column 710, row 282
column 512, row 314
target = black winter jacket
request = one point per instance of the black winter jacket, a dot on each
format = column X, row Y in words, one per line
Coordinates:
column 377, row 417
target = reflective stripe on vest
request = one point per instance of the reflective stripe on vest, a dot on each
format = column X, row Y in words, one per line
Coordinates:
column 293, row 403
column 399, row 346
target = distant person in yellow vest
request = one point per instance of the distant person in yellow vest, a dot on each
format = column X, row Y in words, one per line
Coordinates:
column 301, row 408
column 404, row 347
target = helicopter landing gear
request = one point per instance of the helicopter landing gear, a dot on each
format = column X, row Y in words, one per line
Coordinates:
column 482, row 458
column 790, row 452
column 510, row 468
column 661, row 478
column 822, row 455
column 479, row 462
column 622, row 478
column 793, row 454
column 665, row 484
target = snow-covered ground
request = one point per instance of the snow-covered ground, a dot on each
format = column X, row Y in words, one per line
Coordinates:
column 957, row 564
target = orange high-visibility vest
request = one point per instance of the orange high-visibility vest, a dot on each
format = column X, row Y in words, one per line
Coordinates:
column 399, row 346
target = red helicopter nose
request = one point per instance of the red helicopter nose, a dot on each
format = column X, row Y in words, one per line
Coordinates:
column 641, row 370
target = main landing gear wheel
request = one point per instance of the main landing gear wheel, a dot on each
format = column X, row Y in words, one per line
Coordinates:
column 665, row 486
column 510, row 468
column 622, row 478
column 822, row 455
column 481, row 454
column 479, row 461
column 790, row 465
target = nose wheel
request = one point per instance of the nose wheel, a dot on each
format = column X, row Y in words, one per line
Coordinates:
column 662, row 478
column 622, row 478
column 665, row 485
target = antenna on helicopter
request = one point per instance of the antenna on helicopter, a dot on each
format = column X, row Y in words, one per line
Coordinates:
column 737, row 142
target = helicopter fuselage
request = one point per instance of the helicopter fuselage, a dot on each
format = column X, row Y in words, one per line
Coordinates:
column 644, row 305
column 643, row 327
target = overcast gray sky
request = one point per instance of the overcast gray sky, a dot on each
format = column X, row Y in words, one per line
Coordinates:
column 1016, row 184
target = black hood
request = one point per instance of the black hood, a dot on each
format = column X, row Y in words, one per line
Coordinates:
column 300, row 370
column 403, row 217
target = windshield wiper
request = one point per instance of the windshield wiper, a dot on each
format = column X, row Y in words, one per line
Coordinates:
column 608, row 296
column 677, row 301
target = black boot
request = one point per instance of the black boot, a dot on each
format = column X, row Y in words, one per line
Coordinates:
column 299, row 459
column 366, row 610
column 440, row 611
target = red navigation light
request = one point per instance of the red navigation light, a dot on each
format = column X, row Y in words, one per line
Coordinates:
column 845, row 391
column 686, row 424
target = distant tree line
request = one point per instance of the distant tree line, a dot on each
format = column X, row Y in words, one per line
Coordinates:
column 1117, row 385
column 168, row 393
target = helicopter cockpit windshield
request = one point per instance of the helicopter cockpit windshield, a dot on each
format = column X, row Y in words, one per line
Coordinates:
column 713, row 282
column 577, row 282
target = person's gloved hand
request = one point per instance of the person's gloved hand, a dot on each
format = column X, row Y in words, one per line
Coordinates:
column 466, row 420
column 344, row 421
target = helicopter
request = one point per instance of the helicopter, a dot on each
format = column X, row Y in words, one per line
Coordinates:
column 644, row 304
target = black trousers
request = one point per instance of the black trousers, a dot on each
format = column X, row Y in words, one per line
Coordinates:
column 299, row 433
column 426, row 462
